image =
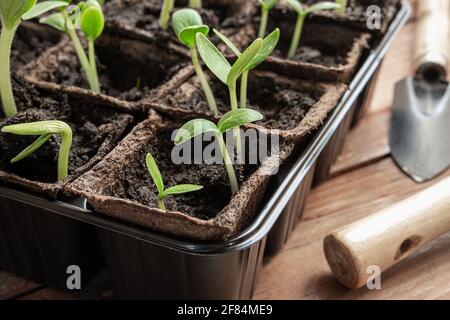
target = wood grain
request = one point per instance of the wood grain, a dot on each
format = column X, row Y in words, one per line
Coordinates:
column 347, row 198
column 12, row 286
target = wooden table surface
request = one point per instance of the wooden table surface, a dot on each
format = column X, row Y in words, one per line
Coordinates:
column 365, row 180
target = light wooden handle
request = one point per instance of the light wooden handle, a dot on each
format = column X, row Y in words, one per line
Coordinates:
column 389, row 236
column 432, row 45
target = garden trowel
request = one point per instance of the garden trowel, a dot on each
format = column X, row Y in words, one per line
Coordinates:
column 420, row 125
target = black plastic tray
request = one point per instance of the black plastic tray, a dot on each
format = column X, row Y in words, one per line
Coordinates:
column 146, row 264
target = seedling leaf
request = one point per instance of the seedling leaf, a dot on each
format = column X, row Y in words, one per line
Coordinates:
column 297, row 6
column 227, row 42
column 237, row 118
column 92, row 21
column 243, row 61
column 155, row 173
column 181, row 188
column 269, row 44
column 194, row 128
column 186, row 24
column 327, row 5
column 213, row 58
column 32, row 148
column 55, row 20
column 11, row 11
column 43, row 7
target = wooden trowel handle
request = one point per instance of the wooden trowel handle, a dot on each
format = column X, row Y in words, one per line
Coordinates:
column 389, row 236
column 432, row 45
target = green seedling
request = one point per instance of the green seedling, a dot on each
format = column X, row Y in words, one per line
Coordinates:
column 89, row 16
column 230, row 121
column 302, row 13
column 165, row 13
column 343, row 6
column 163, row 193
column 12, row 12
column 186, row 24
column 269, row 44
column 197, row 4
column 45, row 130
column 266, row 6
column 229, row 75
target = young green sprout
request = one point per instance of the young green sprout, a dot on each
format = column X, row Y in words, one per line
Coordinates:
column 197, row 4
column 343, row 6
column 302, row 13
column 229, row 75
column 45, row 130
column 186, row 24
column 269, row 44
column 164, row 17
column 231, row 120
column 266, row 6
column 89, row 16
column 163, row 193
column 12, row 12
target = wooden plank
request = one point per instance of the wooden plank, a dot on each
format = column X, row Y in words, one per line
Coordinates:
column 336, row 203
column 12, row 286
column 366, row 143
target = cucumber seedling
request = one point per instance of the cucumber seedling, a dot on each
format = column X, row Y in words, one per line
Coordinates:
column 229, row 75
column 230, row 121
column 45, row 130
column 343, row 6
column 269, row 44
column 12, row 12
column 89, row 16
column 302, row 13
column 186, row 24
column 266, row 6
column 164, row 17
column 163, row 193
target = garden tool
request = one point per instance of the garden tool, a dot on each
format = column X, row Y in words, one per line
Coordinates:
column 374, row 244
column 420, row 125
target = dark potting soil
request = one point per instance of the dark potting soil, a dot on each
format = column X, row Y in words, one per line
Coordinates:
column 135, row 183
column 91, row 127
column 29, row 43
column 128, row 69
column 357, row 9
column 283, row 107
column 145, row 15
column 313, row 55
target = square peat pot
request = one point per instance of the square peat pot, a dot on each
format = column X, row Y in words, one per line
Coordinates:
column 292, row 108
column 327, row 52
column 129, row 69
column 140, row 19
column 372, row 16
column 37, row 244
column 121, row 187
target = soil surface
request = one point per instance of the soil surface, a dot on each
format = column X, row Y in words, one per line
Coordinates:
column 135, row 183
column 145, row 15
column 128, row 69
column 94, row 129
column 30, row 42
column 357, row 9
column 282, row 106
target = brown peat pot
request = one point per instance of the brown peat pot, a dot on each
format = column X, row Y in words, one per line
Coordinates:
column 173, row 262
column 140, row 19
column 129, row 69
column 294, row 108
column 120, row 185
column 37, row 245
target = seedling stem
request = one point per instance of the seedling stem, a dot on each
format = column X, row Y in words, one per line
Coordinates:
column 343, row 6
column 165, row 13
column 264, row 19
column 205, row 85
column 297, row 35
column 6, row 39
column 228, row 163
